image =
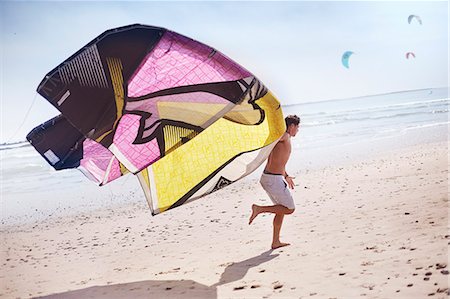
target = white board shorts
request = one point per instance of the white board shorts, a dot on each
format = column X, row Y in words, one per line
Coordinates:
column 276, row 188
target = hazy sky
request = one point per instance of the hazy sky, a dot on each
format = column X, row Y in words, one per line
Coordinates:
column 295, row 48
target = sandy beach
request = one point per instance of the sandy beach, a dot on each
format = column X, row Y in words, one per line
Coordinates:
column 375, row 228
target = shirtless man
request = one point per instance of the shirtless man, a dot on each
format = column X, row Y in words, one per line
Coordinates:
column 273, row 183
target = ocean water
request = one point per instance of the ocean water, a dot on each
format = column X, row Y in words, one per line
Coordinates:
column 331, row 132
column 347, row 129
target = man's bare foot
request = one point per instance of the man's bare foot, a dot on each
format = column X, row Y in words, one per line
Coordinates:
column 254, row 214
column 279, row 244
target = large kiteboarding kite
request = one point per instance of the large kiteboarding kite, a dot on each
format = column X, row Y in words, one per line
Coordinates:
column 183, row 117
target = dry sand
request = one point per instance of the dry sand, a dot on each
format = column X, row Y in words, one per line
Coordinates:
column 376, row 228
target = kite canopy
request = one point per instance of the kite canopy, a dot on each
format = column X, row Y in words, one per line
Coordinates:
column 183, row 117
column 417, row 18
column 410, row 54
column 345, row 58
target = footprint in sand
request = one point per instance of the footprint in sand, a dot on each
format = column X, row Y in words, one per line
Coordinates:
column 277, row 286
column 446, row 290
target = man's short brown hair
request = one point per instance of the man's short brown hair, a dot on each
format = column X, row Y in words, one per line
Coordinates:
column 292, row 119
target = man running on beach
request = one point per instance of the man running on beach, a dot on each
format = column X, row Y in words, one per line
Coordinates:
column 273, row 183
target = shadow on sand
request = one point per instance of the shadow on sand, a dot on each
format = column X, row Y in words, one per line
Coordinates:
column 169, row 288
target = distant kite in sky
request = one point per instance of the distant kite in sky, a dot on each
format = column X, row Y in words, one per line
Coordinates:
column 345, row 58
column 183, row 117
column 410, row 54
column 411, row 17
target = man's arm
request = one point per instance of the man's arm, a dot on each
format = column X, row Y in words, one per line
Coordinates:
column 288, row 178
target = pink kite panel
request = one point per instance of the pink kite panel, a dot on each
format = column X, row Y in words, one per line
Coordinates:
column 140, row 155
column 96, row 159
column 180, row 61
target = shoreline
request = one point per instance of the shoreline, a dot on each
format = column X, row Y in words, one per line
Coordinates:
column 373, row 227
column 112, row 195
